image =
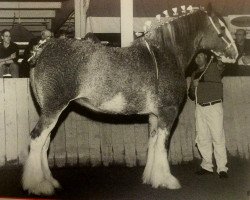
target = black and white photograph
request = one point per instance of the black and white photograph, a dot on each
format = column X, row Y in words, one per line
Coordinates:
column 125, row 99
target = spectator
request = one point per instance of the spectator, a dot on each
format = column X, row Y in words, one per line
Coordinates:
column 241, row 42
column 62, row 34
column 92, row 37
column 9, row 53
column 45, row 35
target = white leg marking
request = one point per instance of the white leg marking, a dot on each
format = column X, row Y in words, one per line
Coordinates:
column 34, row 180
column 150, row 159
column 153, row 123
column 45, row 165
column 160, row 172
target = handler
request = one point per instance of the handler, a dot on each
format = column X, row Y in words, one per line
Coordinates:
column 207, row 90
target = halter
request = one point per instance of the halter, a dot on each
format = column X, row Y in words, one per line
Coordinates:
column 220, row 35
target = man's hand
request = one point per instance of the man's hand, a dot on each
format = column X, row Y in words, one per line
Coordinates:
column 9, row 61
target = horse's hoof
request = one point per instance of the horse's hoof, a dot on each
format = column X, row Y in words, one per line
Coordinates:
column 43, row 188
column 169, row 182
column 55, row 183
column 172, row 183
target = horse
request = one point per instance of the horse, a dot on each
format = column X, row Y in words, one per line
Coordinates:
column 145, row 78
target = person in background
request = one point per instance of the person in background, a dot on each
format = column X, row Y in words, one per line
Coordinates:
column 62, row 34
column 92, row 37
column 242, row 43
column 207, row 90
column 45, row 36
column 9, row 53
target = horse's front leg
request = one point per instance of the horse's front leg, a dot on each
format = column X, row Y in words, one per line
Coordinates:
column 34, row 179
column 161, row 175
column 157, row 171
column 151, row 148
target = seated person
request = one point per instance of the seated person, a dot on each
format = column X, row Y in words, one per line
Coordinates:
column 92, row 37
column 9, row 53
column 243, row 45
column 62, row 34
column 45, row 35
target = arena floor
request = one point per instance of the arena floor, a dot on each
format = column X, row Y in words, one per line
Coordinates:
column 121, row 183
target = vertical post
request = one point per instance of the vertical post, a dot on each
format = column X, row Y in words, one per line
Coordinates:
column 81, row 7
column 126, row 22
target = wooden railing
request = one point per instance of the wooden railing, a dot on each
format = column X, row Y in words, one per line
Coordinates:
column 84, row 141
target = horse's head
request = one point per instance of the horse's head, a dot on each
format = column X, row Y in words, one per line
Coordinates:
column 216, row 36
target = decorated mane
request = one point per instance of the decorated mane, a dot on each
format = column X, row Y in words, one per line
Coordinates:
column 187, row 26
column 176, row 30
column 175, row 34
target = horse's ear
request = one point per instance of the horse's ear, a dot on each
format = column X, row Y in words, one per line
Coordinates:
column 210, row 9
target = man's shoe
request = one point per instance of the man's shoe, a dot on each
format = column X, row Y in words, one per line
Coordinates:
column 202, row 171
column 223, row 174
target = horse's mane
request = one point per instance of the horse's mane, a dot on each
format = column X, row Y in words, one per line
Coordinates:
column 175, row 31
column 185, row 28
column 177, row 34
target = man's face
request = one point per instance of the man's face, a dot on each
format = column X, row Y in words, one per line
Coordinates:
column 46, row 35
column 6, row 37
column 240, row 36
column 201, row 59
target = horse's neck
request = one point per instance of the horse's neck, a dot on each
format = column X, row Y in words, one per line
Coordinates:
column 184, row 53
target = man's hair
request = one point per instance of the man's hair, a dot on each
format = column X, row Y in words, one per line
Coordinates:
column 44, row 31
column 243, row 30
column 4, row 31
column 207, row 52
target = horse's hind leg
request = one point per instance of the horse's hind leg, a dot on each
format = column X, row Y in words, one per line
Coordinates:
column 45, row 165
column 35, row 168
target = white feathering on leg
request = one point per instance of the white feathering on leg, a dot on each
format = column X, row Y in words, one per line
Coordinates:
column 150, row 159
column 33, row 179
column 153, row 123
column 45, row 165
column 160, row 175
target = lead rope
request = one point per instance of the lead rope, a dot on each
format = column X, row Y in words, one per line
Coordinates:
column 195, row 91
